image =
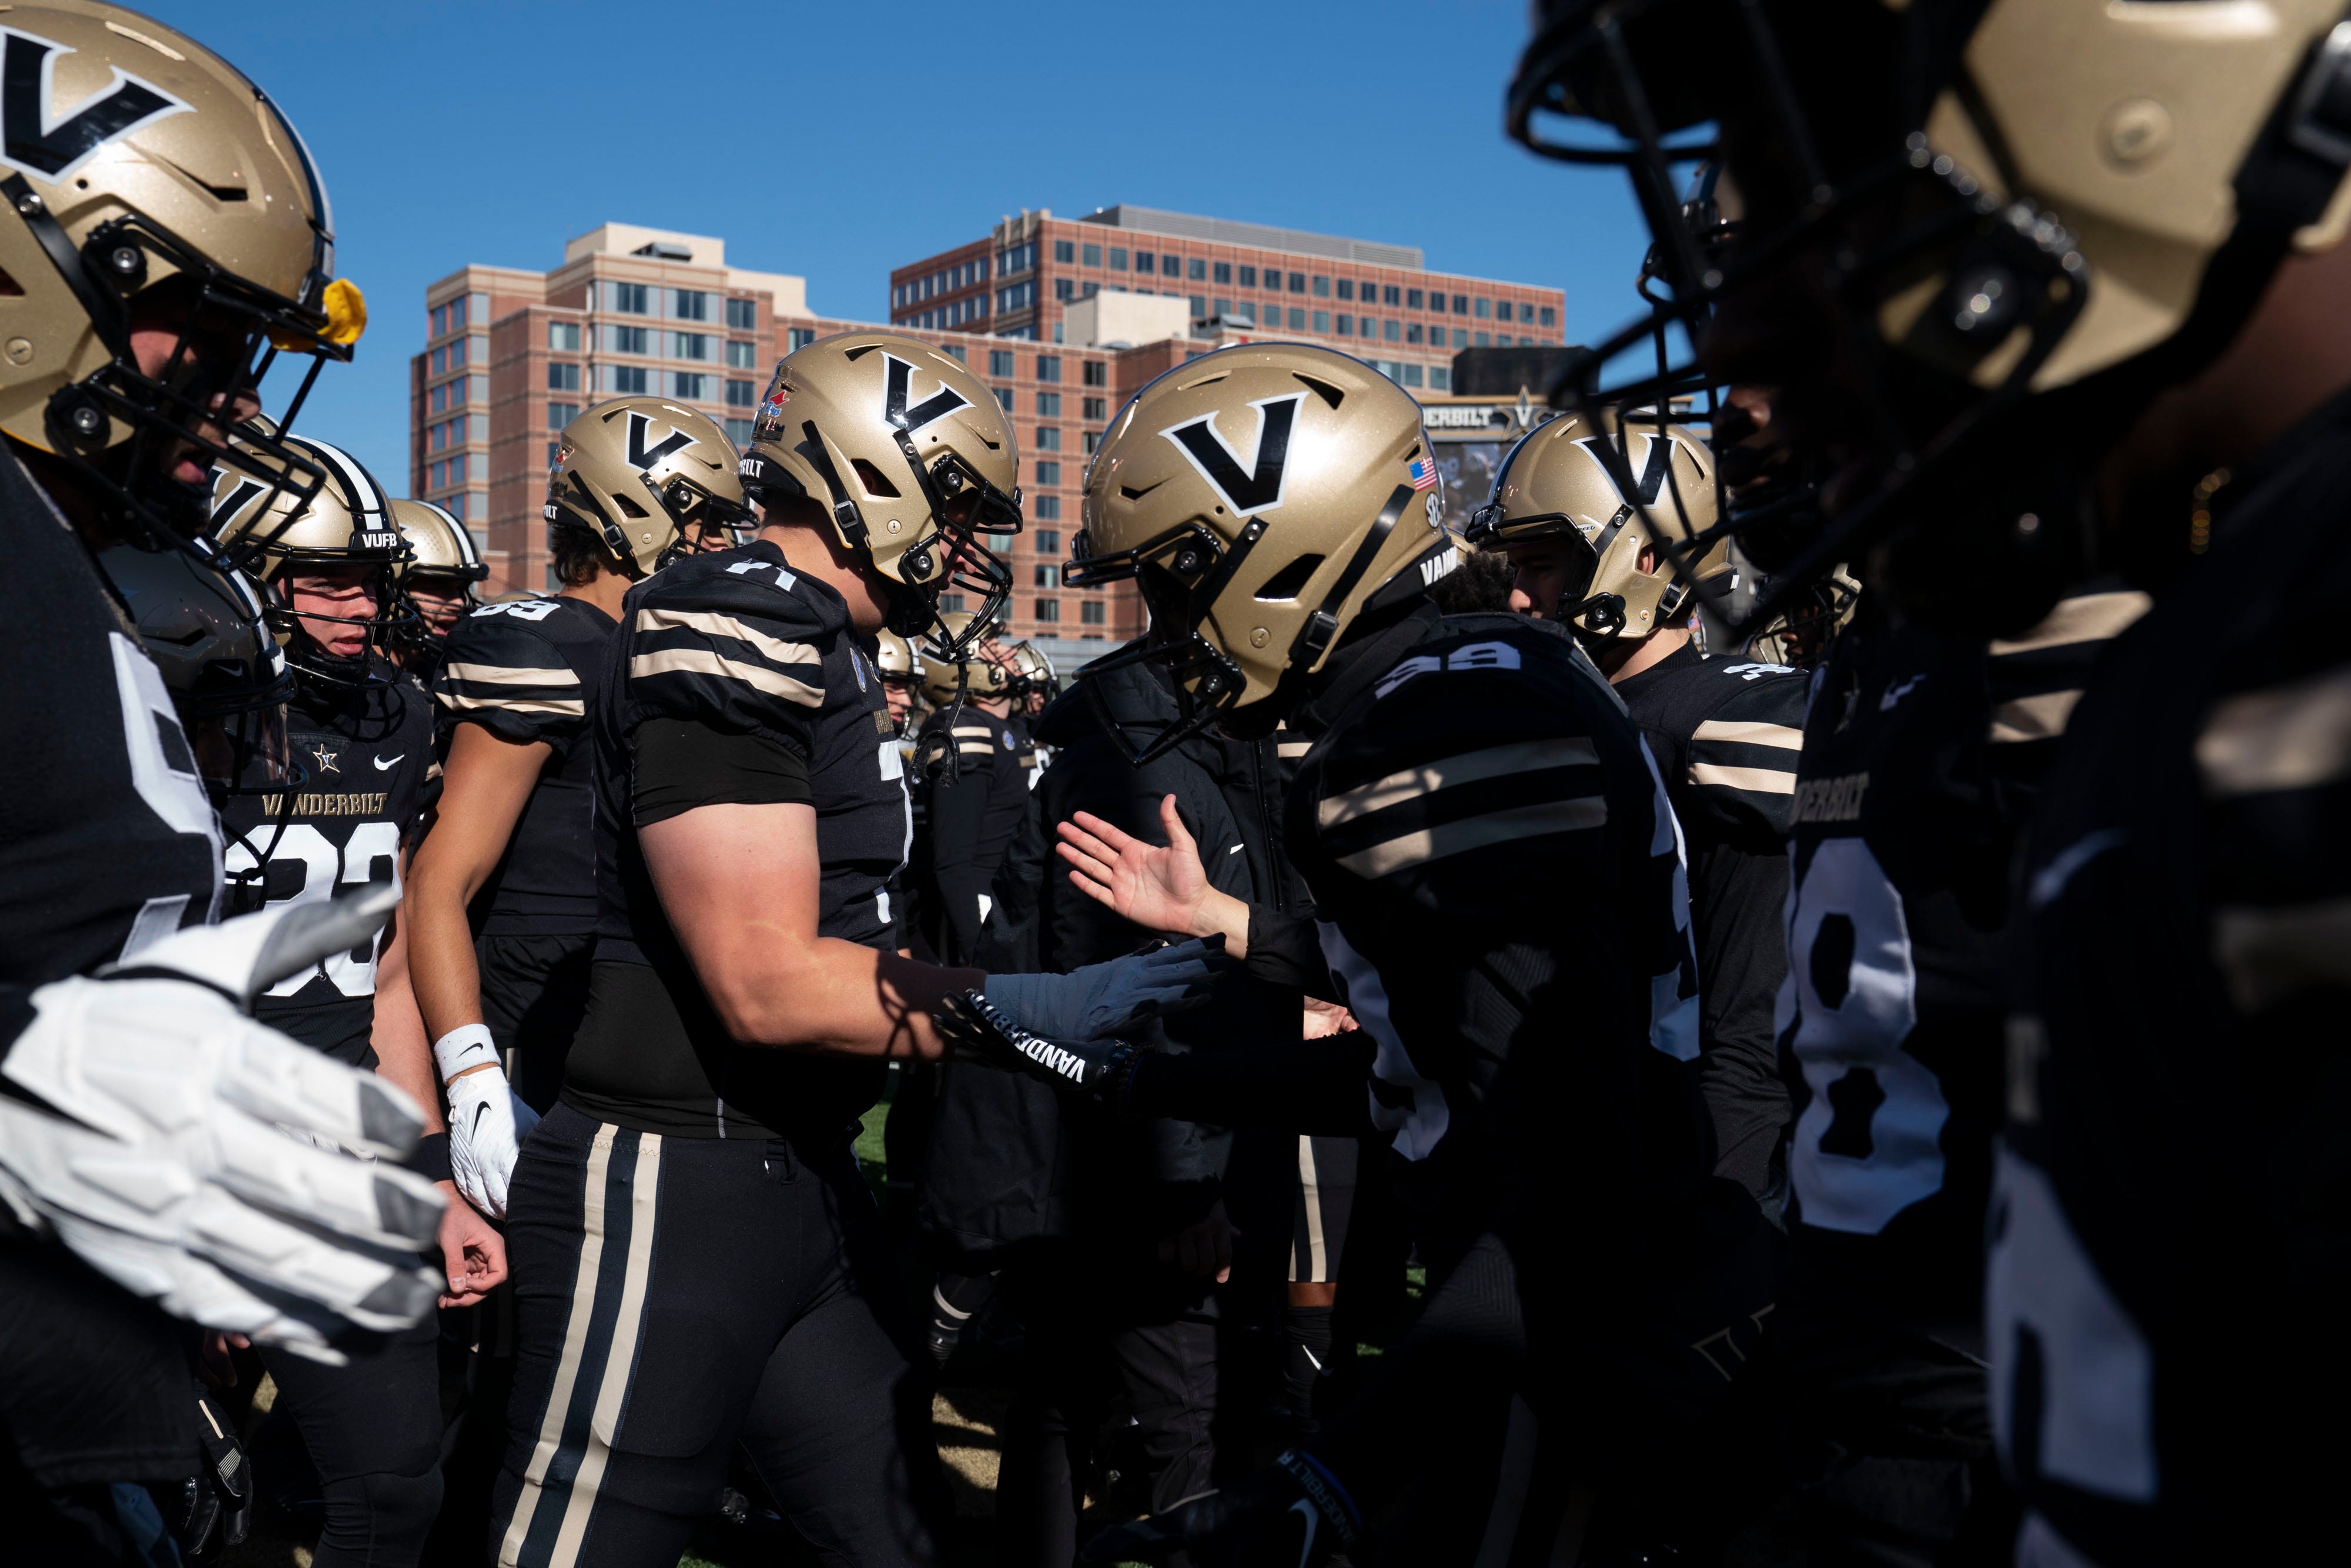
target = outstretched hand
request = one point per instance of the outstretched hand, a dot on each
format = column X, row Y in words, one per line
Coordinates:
column 1159, row 889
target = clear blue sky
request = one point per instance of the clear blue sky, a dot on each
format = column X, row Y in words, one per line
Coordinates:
column 836, row 140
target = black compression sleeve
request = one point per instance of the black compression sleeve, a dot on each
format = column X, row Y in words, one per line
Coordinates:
column 1286, row 949
column 681, row 765
column 1315, row 1086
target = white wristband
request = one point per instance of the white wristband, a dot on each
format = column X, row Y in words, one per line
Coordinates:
column 467, row 1047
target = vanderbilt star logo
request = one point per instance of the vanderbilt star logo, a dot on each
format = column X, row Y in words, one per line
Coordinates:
column 325, row 760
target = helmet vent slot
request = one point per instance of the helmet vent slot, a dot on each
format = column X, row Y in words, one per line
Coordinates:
column 870, row 479
column 630, row 508
column 1129, row 492
column 1324, row 389
column 1291, row 580
column 9, row 286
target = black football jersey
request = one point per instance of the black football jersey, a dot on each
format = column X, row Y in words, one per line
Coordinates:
column 108, row 840
column 1923, row 757
column 1726, row 734
column 367, row 753
column 2170, row 1238
column 528, row 672
column 739, row 642
column 1500, row 896
column 974, row 809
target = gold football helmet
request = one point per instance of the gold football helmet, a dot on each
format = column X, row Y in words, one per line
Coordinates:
column 1563, row 479
column 1033, row 674
column 441, row 564
column 150, row 186
column 910, row 456
column 274, row 530
column 649, row 477
column 1261, row 497
column 898, row 661
column 963, row 660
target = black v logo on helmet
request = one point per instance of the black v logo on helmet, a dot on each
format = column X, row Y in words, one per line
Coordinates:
column 936, row 406
column 1658, row 463
column 34, row 140
column 643, row 457
column 1254, row 490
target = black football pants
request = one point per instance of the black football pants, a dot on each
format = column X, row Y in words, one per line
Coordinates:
column 374, row 1429
column 674, row 1296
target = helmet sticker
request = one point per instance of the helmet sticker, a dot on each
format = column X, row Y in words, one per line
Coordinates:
column 931, row 410
column 642, row 457
column 34, row 139
column 1259, row 487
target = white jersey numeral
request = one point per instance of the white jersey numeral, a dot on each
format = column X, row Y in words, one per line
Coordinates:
column 162, row 764
column 1869, row 1143
column 326, row 869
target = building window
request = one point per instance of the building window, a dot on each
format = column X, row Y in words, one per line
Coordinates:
column 1461, row 305
column 1146, row 261
column 1485, row 339
column 1298, row 283
column 1096, row 373
column 1412, row 333
column 559, row 414
column 563, row 337
column 1412, row 375
column 952, row 602
column 1046, row 509
column 1440, row 378
column 742, row 394
column 1460, row 338
column 625, row 379
column 1548, row 315
column 554, row 453
column 1221, row 309
column 689, row 346
column 1048, row 541
column 954, row 351
column 1049, row 473
column 1297, row 319
column 562, row 377
column 742, row 315
column 1049, row 610
column 631, row 298
column 457, row 354
column 800, row 337
column 437, row 399
column 1097, row 409
column 1411, row 298
column 1242, row 314
column 1248, row 278
column 629, row 339
column 1019, row 297
column 1092, row 439
column 1321, row 287
column 1390, row 331
column 1223, row 271
column 690, row 385
column 1064, row 252
column 1485, row 307
column 1004, row 396
column 1436, row 304
column 741, row 356
column 1089, row 255
column 1048, row 404
column 1199, row 307
column 1065, row 288
column 1117, row 259
column 1093, row 612
column 439, row 316
column 1346, row 324
column 689, row 304
column 1048, row 576
column 999, row 361
column 1346, row 288
column 1049, row 438
column 1171, row 266
column 1019, row 258
column 1321, row 323
column 1049, row 367
column 739, row 431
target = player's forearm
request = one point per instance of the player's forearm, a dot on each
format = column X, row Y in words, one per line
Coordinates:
column 832, row 996
column 404, row 1051
column 445, row 974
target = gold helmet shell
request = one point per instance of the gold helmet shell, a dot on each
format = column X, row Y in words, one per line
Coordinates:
column 907, row 453
column 897, row 659
column 148, row 160
column 438, row 544
column 1262, row 497
column 1561, row 481
column 644, row 474
column 1032, row 672
column 964, row 658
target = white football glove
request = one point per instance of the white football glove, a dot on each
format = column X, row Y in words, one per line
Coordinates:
column 147, row 1127
column 487, row 1118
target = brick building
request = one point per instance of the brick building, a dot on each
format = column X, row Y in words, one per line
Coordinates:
column 1237, row 281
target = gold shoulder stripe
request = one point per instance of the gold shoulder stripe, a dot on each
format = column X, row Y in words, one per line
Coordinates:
column 1286, row 749
column 512, row 675
column 1494, row 762
column 2039, row 717
column 565, row 708
column 702, row 662
column 1436, row 843
column 712, row 623
column 1745, row 732
column 979, row 730
column 2085, row 618
column 2266, row 954
column 1761, row 781
column 2287, row 737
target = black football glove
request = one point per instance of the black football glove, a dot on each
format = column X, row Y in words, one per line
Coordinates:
column 1294, row 1515
column 983, row 1033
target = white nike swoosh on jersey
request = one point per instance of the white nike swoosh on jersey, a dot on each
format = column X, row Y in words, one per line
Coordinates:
column 384, row 762
column 1314, row 1516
